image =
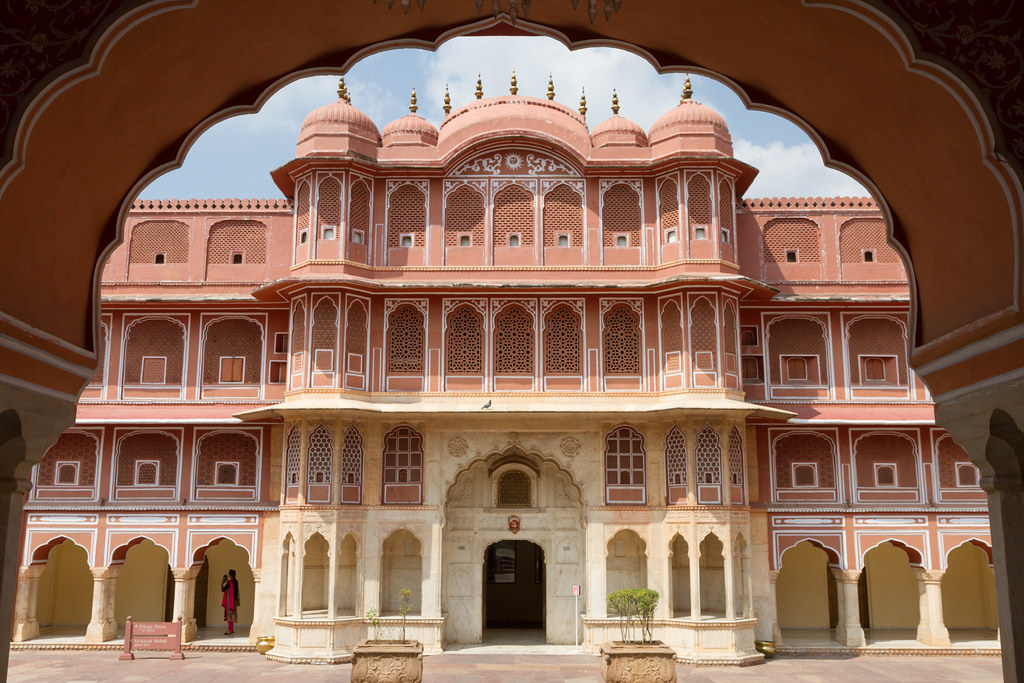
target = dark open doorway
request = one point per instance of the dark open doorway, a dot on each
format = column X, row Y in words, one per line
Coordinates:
column 514, row 585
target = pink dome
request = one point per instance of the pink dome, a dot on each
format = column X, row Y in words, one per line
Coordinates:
column 514, row 114
column 337, row 128
column 618, row 131
column 339, row 113
column 411, row 129
column 690, row 119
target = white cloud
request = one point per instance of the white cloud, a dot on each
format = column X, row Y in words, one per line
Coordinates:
column 793, row 171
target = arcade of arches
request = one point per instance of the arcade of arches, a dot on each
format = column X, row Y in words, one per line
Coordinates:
column 100, row 108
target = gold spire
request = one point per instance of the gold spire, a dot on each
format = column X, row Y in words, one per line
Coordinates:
column 479, row 88
column 447, row 101
column 412, row 101
column 513, row 88
column 343, row 91
column 551, row 87
column 615, row 103
column 687, row 91
column 583, row 101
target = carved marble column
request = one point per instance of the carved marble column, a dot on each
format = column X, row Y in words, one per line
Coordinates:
column 102, row 626
column 848, row 629
column 773, row 606
column 694, row 549
column 185, row 601
column 931, row 630
column 257, row 622
column 26, row 626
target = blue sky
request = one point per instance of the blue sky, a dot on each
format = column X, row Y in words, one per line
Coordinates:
column 234, row 157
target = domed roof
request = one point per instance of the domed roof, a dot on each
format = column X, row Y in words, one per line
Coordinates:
column 336, row 128
column 340, row 112
column 411, row 129
column 618, row 131
column 511, row 115
column 691, row 119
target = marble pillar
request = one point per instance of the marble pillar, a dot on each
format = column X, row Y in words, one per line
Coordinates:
column 931, row 630
column 102, row 626
column 26, row 625
column 257, row 621
column 185, row 601
column 773, row 606
column 848, row 628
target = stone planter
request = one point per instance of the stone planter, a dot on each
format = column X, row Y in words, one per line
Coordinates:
column 381, row 661
column 628, row 663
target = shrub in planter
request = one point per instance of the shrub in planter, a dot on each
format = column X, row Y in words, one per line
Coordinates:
column 637, row 657
column 385, row 658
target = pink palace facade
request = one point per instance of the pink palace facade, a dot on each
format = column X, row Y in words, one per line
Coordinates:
column 496, row 361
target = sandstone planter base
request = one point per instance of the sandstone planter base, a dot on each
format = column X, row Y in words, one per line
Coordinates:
column 626, row 663
column 383, row 662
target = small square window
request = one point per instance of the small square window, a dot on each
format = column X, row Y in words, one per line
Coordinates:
column 231, row 369
column 357, row 237
column 725, row 235
column 154, row 370
column 465, row 241
column 406, row 241
column 227, row 474
column 621, row 241
column 146, row 472
column 278, row 370
column 791, row 256
column 159, row 258
column 751, row 368
column 303, row 236
column 748, row 335
column 874, row 370
column 67, row 473
column 796, row 369
column 329, row 232
column 805, row 475
column 700, row 233
column 236, row 258
column 885, row 475
column 563, row 240
column 513, row 240
column 869, row 256
column 671, row 237
column 281, row 342
column 966, row 475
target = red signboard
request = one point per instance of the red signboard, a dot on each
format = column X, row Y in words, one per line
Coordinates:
column 152, row 635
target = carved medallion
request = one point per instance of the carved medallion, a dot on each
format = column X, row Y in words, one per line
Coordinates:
column 514, row 524
column 570, row 446
column 457, row 447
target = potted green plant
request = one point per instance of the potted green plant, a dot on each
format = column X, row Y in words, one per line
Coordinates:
column 637, row 657
column 384, row 657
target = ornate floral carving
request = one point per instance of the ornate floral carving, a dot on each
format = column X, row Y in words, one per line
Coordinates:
column 515, row 163
column 570, row 446
column 457, row 447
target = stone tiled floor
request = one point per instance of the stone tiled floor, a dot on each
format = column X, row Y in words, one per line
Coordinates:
column 466, row 667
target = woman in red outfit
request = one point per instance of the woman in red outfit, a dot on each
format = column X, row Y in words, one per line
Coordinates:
column 229, row 587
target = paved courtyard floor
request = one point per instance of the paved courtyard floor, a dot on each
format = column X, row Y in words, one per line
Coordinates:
column 47, row 666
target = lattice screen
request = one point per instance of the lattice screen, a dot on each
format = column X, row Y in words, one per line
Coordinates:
column 810, row 448
column 709, row 456
column 675, row 457
column 698, row 201
column 624, row 458
column 359, row 210
column 147, row 446
column 949, row 455
column 324, row 334
column 513, row 213
column 352, row 457
column 233, row 337
column 876, row 337
column 513, row 342
column 731, row 343
column 514, row 490
column 160, row 337
column 725, row 206
column 796, row 337
column 150, row 238
column 101, row 355
column 403, row 456
column 407, row 214
column 231, row 237
column 232, row 447
column 672, row 337
column 562, row 342
column 320, row 456
column 735, row 457
column 405, row 340
column 885, row 448
column 298, row 337
column 621, row 341
column 621, row 214
column 328, row 205
column 862, row 234
column 563, row 214
column 787, row 234
column 292, row 456
column 355, row 330
column 74, row 447
column 302, row 207
column 703, row 335
column 464, row 342
column 668, row 207
column 464, row 212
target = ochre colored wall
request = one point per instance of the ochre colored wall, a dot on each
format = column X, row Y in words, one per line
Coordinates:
column 65, row 587
column 801, row 589
column 968, row 590
column 142, row 585
column 892, row 589
column 222, row 557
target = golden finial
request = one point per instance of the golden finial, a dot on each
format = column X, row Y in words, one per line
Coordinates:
column 412, row 101
column 551, row 87
column 513, row 88
column 687, row 91
column 583, row 101
column 479, row 88
column 447, row 101
column 615, row 103
column 343, row 91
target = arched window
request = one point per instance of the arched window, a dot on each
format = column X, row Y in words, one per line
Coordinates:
column 407, row 215
column 791, row 240
column 725, row 210
column 147, row 459
column 513, row 216
column 797, row 339
column 405, row 340
column 352, row 466
column 621, row 341
column 154, row 352
column 885, row 460
column 735, row 459
column 403, row 467
column 165, row 239
column 319, row 465
column 328, row 206
column 359, row 213
column 233, row 351
column 514, row 490
column 355, row 330
column 730, row 337
column 625, row 467
column 698, row 206
column 704, row 336
column 101, row 357
column 229, row 239
column 803, row 460
column 464, row 342
column 292, row 455
column 955, row 466
column 620, row 216
column 675, row 465
column 672, row 337
column 324, row 335
column 464, row 215
column 513, row 342
column 864, row 240
column 709, row 456
column 73, row 450
column 878, row 351
column 298, row 337
column 563, row 337
column 219, row 450
column 668, row 209
column 563, row 218
column 302, row 210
